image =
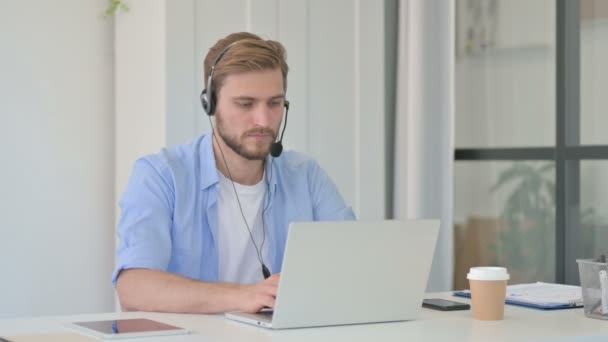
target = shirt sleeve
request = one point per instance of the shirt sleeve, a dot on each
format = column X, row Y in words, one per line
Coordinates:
column 144, row 229
column 328, row 204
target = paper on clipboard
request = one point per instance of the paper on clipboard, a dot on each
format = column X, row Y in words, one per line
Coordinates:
column 544, row 296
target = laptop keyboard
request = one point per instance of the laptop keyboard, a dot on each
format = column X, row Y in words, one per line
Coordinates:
column 266, row 313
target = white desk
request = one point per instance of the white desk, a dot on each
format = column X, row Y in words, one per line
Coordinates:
column 520, row 324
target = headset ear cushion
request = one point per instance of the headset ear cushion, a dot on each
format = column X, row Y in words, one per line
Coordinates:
column 205, row 102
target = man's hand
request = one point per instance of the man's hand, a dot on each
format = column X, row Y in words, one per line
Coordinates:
column 153, row 290
column 258, row 296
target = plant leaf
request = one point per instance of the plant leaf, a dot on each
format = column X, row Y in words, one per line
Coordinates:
column 517, row 170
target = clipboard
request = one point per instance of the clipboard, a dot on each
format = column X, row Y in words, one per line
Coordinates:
column 560, row 296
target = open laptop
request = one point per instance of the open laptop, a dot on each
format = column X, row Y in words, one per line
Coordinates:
column 351, row 272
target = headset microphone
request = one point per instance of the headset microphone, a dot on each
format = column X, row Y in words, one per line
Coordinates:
column 277, row 147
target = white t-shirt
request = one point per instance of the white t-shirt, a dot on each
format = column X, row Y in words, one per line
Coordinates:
column 238, row 261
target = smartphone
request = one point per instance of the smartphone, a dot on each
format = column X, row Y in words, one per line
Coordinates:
column 444, row 304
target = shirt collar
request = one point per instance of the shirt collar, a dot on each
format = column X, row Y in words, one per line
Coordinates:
column 271, row 163
column 209, row 175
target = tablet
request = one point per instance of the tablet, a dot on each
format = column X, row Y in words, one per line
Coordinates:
column 127, row 328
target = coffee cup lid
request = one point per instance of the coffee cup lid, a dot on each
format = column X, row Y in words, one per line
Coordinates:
column 488, row 273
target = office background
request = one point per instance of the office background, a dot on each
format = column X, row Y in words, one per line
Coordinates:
column 84, row 96
column 382, row 94
column 530, row 175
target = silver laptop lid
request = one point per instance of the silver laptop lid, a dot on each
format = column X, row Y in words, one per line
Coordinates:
column 352, row 272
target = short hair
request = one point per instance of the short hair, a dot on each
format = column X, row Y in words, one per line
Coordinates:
column 249, row 52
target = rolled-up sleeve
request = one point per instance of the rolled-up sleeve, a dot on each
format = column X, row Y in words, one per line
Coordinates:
column 144, row 229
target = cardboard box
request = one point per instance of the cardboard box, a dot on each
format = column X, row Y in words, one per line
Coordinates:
column 474, row 245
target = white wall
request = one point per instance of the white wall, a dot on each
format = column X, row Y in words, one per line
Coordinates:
column 56, row 143
column 141, row 88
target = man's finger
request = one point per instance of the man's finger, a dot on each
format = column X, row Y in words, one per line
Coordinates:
column 274, row 279
column 268, row 301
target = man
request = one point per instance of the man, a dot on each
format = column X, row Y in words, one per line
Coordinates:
column 203, row 224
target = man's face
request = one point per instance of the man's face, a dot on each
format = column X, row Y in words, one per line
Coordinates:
column 249, row 112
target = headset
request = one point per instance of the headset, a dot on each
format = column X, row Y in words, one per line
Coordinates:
column 209, row 98
column 208, row 101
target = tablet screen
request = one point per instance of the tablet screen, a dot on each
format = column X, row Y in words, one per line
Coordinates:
column 128, row 326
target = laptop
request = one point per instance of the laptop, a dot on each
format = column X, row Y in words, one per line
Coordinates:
column 350, row 272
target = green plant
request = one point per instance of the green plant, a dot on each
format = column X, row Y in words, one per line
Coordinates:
column 527, row 242
column 114, row 6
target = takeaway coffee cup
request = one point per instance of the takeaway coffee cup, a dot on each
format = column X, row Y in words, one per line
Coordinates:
column 488, row 292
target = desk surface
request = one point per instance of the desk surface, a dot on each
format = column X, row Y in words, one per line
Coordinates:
column 520, row 324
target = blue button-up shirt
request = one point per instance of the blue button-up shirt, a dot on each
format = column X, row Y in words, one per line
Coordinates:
column 169, row 209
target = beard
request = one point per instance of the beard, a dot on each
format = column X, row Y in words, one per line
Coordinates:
column 253, row 151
